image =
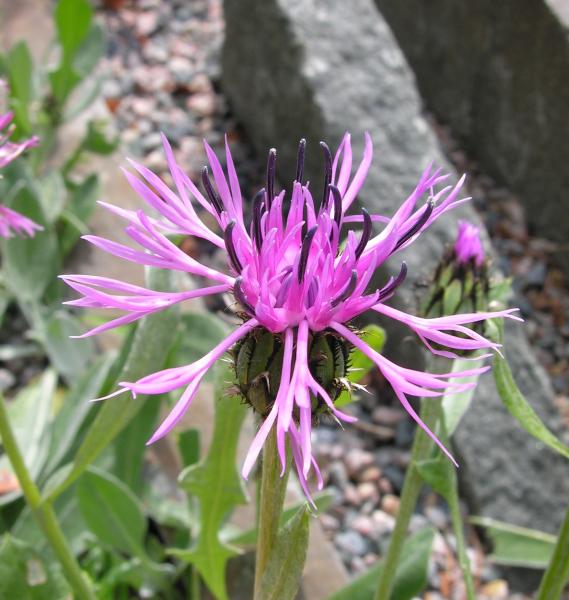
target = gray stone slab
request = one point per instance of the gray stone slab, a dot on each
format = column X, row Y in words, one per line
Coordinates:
column 497, row 73
column 315, row 68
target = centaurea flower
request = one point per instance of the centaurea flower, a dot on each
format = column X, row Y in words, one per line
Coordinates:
column 10, row 220
column 298, row 286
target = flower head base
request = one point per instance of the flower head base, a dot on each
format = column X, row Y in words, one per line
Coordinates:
column 297, row 283
column 10, row 220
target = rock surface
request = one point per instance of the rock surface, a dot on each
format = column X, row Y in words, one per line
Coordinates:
column 314, row 69
column 508, row 474
column 497, row 73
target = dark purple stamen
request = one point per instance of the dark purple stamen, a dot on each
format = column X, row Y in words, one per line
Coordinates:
column 258, row 201
column 300, row 160
column 240, row 295
column 211, row 193
column 366, row 233
column 306, row 242
column 271, row 165
column 311, row 295
column 283, row 290
column 348, row 290
column 337, row 197
column 327, row 174
column 386, row 291
column 417, row 226
column 230, row 246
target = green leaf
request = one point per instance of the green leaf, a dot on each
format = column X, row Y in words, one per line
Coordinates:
column 112, row 512
column 198, row 334
column 75, row 412
column 26, row 575
column 90, row 51
column 52, row 195
column 517, row 546
column 69, row 518
column 452, row 297
column 130, row 444
column 218, row 487
column 410, row 579
column 150, row 345
column 30, row 264
column 440, row 474
column 361, row 364
column 283, row 573
column 30, row 415
column 82, row 99
column 81, row 204
column 97, row 139
column 189, row 446
column 20, row 69
column 72, row 21
column 519, row 407
column 248, row 538
column 69, row 356
column 455, row 405
column 62, row 82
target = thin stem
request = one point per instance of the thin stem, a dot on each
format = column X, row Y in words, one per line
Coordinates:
column 43, row 512
column 463, row 560
column 271, row 501
column 557, row 573
column 422, row 445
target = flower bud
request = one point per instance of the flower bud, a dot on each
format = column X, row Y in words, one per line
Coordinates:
column 461, row 282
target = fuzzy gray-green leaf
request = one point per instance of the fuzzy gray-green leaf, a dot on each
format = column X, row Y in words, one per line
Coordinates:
column 283, row 573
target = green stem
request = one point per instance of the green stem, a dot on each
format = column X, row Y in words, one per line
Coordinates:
column 271, row 501
column 43, row 512
column 463, row 560
column 557, row 573
column 422, row 445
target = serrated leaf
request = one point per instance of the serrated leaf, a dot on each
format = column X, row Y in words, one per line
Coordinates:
column 150, row 345
column 518, row 406
column 218, row 488
column 361, row 364
column 517, row 546
column 111, row 512
column 411, row 577
column 282, row 576
column 26, row 575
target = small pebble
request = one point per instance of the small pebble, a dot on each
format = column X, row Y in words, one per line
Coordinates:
column 390, row 504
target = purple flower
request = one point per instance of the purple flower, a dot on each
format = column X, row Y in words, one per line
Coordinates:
column 468, row 246
column 292, row 276
column 10, row 220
